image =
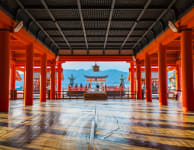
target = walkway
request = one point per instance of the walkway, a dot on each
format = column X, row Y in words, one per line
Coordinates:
column 113, row 124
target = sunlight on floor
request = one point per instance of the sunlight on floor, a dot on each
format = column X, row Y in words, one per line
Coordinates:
column 112, row 124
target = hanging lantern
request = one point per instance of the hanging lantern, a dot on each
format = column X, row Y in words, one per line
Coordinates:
column 96, row 68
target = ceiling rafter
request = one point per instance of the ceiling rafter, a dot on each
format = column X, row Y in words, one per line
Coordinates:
column 116, row 36
column 161, row 15
column 57, row 25
column 74, row 7
column 82, row 22
column 128, row 25
column 109, row 23
column 135, row 23
column 99, row 41
column 34, row 20
column 93, row 48
column 98, row 29
column 95, row 19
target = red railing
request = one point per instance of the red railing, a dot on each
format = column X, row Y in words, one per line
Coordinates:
column 77, row 92
column 77, row 88
column 114, row 88
column 109, row 88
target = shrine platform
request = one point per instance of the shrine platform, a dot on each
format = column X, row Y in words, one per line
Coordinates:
column 95, row 95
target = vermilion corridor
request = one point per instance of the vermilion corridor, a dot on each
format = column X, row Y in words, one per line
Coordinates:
column 152, row 110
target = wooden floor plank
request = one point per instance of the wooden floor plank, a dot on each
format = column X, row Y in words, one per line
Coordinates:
column 119, row 124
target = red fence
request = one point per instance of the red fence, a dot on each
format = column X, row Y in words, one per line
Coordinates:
column 109, row 88
column 77, row 93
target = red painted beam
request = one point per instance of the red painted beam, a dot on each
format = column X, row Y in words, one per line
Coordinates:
column 20, row 69
column 37, row 69
column 48, row 70
column 94, row 58
column 168, row 63
column 24, row 55
column 172, row 48
column 167, row 55
column 143, row 69
column 35, row 63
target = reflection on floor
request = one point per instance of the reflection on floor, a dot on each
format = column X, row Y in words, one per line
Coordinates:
column 112, row 124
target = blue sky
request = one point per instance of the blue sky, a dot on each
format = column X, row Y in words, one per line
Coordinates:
column 120, row 65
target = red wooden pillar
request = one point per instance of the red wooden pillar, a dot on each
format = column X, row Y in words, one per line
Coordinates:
column 12, row 80
column 4, row 67
column 163, row 80
column 187, row 70
column 129, row 75
column 139, row 80
column 43, row 78
column 52, row 80
column 28, row 90
column 59, row 80
column 148, row 79
column 178, row 77
column 24, row 82
column 132, row 81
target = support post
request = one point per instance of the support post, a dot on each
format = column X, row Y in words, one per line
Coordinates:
column 132, row 81
column 148, row 79
column 12, row 81
column 101, row 84
column 178, row 77
column 28, row 90
column 187, row 70
column 52, row 80
column 24, row 81
column 43, row 78
column 4, row 67
column 129, row 75
column 139, row 80
column 163, row 80
column 59, row 80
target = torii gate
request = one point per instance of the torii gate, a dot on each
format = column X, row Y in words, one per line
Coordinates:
column 100, row 79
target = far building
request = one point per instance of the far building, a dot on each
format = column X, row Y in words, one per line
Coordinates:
column 36, row 81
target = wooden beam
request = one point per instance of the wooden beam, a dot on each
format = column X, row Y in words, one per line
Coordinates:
column 94, row 58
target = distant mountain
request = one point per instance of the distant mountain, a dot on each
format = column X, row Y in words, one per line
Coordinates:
column 112, row 79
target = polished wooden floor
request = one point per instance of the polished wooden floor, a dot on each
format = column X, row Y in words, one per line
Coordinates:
column 100, row 125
